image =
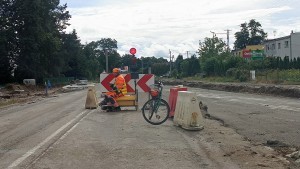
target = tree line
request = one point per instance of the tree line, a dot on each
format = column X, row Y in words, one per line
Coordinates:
column 34, row 44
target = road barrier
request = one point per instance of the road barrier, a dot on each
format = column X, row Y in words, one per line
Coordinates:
column 173, row 98
column 91, row 99
column 187, row 112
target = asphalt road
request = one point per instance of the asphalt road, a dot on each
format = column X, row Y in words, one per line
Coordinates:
column 58, row 132
column 257, row 117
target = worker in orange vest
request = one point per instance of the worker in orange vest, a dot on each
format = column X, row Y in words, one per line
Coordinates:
column 119, row 90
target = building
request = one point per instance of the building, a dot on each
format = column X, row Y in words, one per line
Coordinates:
column 252, row 52
column 287, row 46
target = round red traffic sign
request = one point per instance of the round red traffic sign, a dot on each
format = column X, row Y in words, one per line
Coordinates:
column 132, row 51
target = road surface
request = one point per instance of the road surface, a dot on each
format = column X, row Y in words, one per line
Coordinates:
column 58, row 132
column 257, row 117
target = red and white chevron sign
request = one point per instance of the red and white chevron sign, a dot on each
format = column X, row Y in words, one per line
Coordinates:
column 142, row 84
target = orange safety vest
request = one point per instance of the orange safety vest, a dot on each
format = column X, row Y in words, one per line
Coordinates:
column 120, row 83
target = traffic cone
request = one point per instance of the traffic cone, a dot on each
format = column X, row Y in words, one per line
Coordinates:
column 91, row 99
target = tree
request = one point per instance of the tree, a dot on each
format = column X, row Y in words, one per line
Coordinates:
column 7, row 41
column 76, row 63
column 212, row 47
column 194, row 65
column 251, row 34
column 5, row 67
column 242, row 37
column 108, row 46
column 178, row 61
column 159, row 68
column 213, row 52
column 38, row 26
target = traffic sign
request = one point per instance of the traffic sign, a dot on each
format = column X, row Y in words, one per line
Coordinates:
column 132, row 51
column 143, row 82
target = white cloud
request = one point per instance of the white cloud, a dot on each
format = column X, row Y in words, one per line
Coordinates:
column 154, row 27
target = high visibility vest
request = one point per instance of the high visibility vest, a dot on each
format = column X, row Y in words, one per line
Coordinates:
column 120, row 83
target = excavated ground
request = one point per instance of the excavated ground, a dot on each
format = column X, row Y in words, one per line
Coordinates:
column 267, row 89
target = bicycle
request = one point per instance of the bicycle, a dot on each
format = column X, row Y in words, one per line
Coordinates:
column 156, row 106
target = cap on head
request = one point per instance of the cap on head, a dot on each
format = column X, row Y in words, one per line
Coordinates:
column 116, row 70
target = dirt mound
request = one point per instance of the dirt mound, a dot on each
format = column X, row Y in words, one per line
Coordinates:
column 16, row 93
column 276, row 90
column 14, row 87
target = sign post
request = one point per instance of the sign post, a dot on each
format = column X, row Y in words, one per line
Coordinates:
column 134, row 74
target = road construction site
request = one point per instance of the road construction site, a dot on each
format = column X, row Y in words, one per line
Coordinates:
column 57, row 131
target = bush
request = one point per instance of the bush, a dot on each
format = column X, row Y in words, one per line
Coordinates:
column 239, row 74
column 243, row 78
column 231, row 72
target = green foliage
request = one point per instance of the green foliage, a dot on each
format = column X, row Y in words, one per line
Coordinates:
column 239, row 74
column 160, row 68
column 74, row 60
column 33, row 44
column 38, row 26
column 212, row 47
column 178, row 61
column 251, row 34
column 184, row 67
column 290, row 76
column 209, row 66
column 214, row 55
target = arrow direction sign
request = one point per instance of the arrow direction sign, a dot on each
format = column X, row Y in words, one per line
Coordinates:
column 127, row 80
column 106, row 81
column 142, row 82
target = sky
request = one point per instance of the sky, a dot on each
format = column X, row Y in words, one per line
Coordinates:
column 156, row 27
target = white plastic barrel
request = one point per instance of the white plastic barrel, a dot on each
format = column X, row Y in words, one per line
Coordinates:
column 187, row 112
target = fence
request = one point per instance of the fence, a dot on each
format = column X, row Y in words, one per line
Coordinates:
column 279, row 76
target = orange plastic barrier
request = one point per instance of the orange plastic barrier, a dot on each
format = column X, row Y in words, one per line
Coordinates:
column 173, row 98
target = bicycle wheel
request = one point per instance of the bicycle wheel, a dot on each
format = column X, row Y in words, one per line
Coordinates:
column 156, row 111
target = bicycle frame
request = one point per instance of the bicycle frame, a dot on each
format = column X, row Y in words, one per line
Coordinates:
column 157, row 100
column 156, row 105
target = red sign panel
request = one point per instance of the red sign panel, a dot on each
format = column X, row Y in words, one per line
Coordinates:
column 142, row 83
column 246, row 53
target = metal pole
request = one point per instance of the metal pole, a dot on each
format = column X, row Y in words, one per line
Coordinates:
column 142, row 65
column 170, row 62
column 228, row 39
column 106, row 60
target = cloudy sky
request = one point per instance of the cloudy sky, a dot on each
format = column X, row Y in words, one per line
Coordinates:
column 154, row 27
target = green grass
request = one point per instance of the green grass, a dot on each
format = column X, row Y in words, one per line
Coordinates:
column 218, row 79
column 289, row 77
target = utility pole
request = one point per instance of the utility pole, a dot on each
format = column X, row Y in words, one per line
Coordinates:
column 142, row 65
column 214, row 33
column 187, row 54
column 170, row 62
column 227, row 33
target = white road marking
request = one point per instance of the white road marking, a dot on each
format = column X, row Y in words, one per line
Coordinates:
column 33, row 150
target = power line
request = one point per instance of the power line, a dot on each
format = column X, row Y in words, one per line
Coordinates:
column 227, row 33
